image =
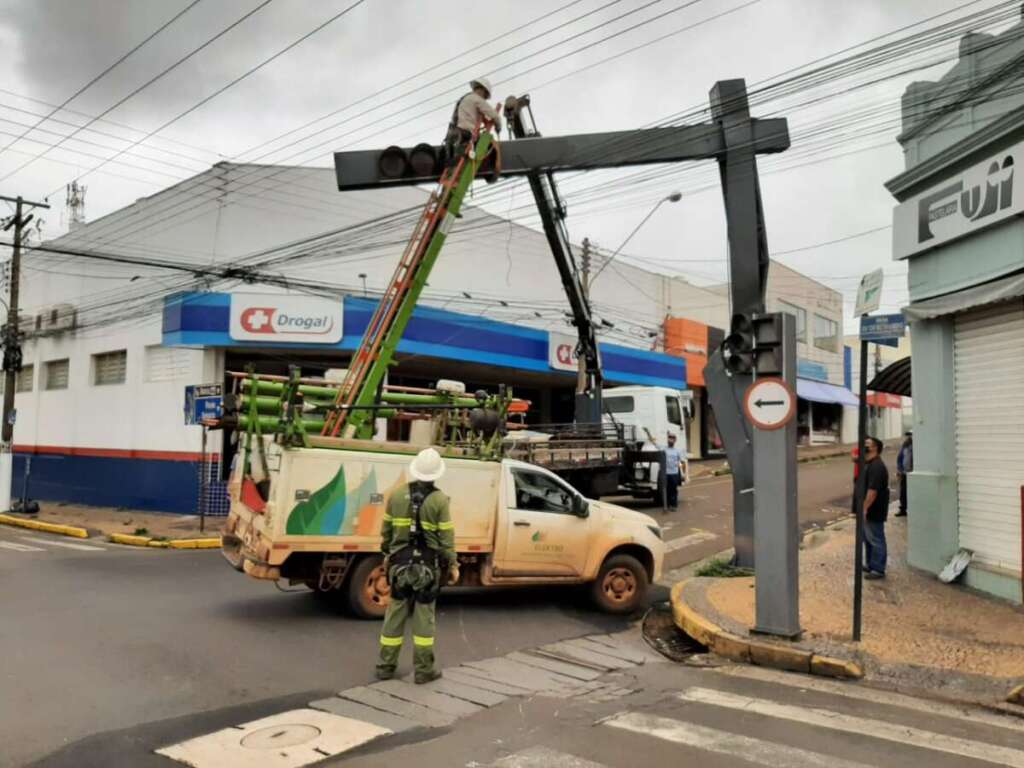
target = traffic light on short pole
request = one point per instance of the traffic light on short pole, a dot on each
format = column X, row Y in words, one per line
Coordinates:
column 768, row 345
column 738, row 347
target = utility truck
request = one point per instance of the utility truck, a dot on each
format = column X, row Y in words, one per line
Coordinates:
column 515, row 524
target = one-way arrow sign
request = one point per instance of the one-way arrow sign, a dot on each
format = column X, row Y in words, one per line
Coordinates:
column 769, row 403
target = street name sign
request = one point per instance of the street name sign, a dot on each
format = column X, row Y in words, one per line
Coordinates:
column 883, row 329
column 869, row 293
column 769, row 403
column 203, row 401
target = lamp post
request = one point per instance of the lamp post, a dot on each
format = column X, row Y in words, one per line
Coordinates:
column 675, row 197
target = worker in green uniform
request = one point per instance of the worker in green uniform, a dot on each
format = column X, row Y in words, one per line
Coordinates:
column 419, row 550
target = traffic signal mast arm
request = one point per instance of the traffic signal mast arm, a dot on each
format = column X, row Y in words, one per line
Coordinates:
column 353, row 416
column 552, row 215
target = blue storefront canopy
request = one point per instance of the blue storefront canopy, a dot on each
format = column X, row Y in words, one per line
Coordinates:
column 204, row 320
column 820, row 392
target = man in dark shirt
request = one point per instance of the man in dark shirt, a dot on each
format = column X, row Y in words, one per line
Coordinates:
column 876, row 509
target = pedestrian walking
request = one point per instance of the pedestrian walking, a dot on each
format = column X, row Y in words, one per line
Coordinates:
column 904, row 466
column 876, row 509
column 419, row 551
column 673, row 468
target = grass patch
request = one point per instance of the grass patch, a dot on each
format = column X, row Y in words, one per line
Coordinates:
column 723, row 569
column 142, row 531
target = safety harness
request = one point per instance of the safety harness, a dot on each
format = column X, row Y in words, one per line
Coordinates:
column 414, row 570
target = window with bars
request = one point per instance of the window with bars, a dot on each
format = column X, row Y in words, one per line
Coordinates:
column 57, row 374
column 110, row 367
column 23, row 383
column 165, row 364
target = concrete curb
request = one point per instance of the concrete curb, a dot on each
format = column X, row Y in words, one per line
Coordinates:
column 35, row 525
column 763, row 654
column 147, row 541
column 800, row 460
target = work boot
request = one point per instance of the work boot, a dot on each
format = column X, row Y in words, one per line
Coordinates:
column 382, row 672
column 428, row 677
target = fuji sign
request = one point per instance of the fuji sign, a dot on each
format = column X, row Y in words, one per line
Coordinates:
column 285, row 319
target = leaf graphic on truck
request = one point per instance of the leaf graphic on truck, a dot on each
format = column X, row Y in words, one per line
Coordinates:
column 312, row 516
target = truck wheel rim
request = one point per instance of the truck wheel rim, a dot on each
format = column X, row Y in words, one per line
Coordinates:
column 619, row 584
column 376, row 588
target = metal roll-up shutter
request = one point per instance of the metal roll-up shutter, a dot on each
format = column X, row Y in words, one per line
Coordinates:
column 989, row 393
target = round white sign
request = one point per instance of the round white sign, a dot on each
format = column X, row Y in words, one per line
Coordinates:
column 769, row 403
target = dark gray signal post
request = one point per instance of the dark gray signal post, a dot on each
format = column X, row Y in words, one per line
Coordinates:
column 734, row 139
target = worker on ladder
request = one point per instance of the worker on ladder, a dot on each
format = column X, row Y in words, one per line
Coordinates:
column 469, row 111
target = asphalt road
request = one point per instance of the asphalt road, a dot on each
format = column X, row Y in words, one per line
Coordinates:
column 111, row 642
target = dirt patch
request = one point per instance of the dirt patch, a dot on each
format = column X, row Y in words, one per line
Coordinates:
column 107, row 520
column 909, row 618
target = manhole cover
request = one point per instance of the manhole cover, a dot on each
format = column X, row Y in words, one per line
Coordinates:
column 279, row 736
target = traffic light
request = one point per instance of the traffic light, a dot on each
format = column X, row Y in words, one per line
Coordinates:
column 738, row 347
column 768, row 344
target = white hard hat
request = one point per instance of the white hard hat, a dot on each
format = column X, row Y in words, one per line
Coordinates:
column 483, row 82
column 427, row 466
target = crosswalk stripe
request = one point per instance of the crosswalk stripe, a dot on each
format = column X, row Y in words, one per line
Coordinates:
column 874, row 696
column 724, row 743
column 67, row 544
column 688, row 541
column 542, row 757
column 878, row 729
column 19, row 547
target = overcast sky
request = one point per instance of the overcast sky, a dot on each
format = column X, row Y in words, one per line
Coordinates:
column 49, row 49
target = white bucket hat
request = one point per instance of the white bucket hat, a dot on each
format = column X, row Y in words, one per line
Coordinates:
column 427, row 466
column 484, row 83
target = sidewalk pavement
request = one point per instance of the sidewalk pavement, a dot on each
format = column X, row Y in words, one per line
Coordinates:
column 918, row 634
column 709, row 467
column 105, row 521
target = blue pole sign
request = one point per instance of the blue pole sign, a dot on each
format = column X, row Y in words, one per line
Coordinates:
column 883, row 329
column 203, row 401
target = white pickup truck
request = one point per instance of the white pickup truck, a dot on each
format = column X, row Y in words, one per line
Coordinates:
column 515, row 524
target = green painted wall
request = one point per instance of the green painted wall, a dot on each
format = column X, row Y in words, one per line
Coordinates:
column 931, row 493
column 985, row 256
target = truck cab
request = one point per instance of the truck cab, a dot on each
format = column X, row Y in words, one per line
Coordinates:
column 661, row 411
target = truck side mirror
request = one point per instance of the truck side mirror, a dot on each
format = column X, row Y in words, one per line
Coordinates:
column 580, row 507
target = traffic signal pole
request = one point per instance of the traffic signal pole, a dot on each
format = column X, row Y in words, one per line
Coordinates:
column 12, row 348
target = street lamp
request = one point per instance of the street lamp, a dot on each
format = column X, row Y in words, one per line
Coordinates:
column 675, row 197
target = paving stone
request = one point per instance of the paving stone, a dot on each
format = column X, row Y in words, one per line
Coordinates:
column 619, row 652
column 554, row 665
column 629, row 641
column 478, row 679
column 431, row 699
column 339, row 706
column 574, row 653
column 470, row 693
column 520, row 674
column 405, row 709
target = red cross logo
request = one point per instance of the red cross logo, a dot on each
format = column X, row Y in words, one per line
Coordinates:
column 258, row 319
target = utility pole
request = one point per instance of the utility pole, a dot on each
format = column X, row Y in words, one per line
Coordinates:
column 581, row 377
column 12, row 347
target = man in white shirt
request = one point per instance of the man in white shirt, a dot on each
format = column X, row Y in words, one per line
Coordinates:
column 673, row 468
column 469, row 111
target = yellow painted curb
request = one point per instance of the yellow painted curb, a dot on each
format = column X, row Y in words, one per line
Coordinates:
column 737, row 648
column 129, row 540
column 211, row 543
column 35, row 525
column 1016, row 695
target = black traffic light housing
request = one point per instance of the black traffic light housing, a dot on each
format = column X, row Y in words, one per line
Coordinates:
column 754, row 345
column 738, row 347
column 768, row 344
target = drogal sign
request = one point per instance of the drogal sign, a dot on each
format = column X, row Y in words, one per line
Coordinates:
column 282, row 318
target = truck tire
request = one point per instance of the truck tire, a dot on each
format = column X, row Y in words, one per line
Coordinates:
column 621, row 585
column 367, row 590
